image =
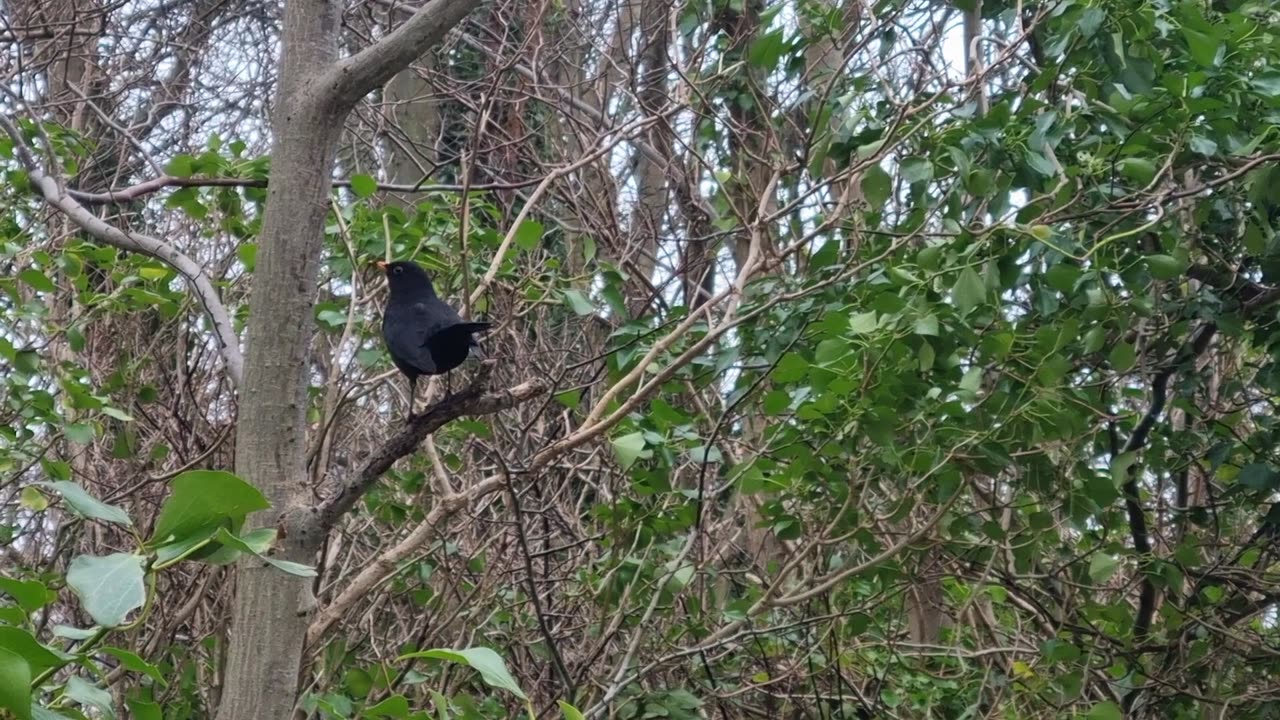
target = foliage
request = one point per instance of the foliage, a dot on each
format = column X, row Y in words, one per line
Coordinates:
column 974, row 418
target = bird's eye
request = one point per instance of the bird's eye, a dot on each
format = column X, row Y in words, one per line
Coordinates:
column 398, row 270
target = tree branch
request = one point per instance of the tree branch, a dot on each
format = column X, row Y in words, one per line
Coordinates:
column 354, row 77
column 1138, row 529
column 471, row 401
column 385, row 564
column 201, row 285
column 146, row 187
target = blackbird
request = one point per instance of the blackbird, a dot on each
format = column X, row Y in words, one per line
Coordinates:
column 423, row 334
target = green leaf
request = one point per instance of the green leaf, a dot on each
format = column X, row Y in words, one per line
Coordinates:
column 577, row 302
column 363, row 185
column 1204, row 48
column 181, row 166
column 628, row 448
column 441, row 704
column 776, row 401
column 1090, row 21
column 110, row 587
column 24, row 645
column 529, row 234
column 706, row 454
column 831, row 350
column 1165, row 267
column 1040, row 164
column 1105, row 711
column 87, row 505
column 1203, row 146
column 927, row 325
column 202, row 500
column 15, row 685
column 790, row 368
column 393, row 706
column 766, row 50
column 1139, row 170
column 1060, row 651
column 144, row 710
column 89, row 695
column 1062, row 277
column 31, row 595
column 256, row 548
column 1102, row 567
column 1258, row 476
column 31, row 499
column 1122, row 356
column 968, row 292
column 79, row 433
column 133, row 661
column 859, row 324
column 877, row 186
column 917, row 169
column 487, row 662
column 117, row 413
column 248, row 254
column 37, row 280
column 570, row 712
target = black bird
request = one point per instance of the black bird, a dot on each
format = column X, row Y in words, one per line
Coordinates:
column 423, row 334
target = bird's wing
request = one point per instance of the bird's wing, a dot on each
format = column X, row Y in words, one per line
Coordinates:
column 436, row 316
column 411, row 326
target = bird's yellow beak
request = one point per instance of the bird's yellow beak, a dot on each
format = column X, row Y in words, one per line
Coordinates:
column 381, row 265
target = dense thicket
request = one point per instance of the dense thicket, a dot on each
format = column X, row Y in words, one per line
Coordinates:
column 871, row 359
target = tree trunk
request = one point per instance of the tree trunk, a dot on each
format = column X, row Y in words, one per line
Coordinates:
column 316, row 93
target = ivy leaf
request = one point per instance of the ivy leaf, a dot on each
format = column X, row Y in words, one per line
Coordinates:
column 628, row 448
column 487, row 662
column 529, row 234
column 1165, row 267
column 202, row 500
column 570, row 712
column 968, row 292
column 87, row 505
column 31, row 595
column 877, row 186
column 917, row 169
column 1102, row 567
column 1123, row 356
column 363, row 185
column 578, row 302
column 37, row 280
column 254, row 545
column 1105, row 711
column 89, row 695
column 396, row 706
column 15, row 685
column 110, row 587
column 79, row 433
column 181, row 166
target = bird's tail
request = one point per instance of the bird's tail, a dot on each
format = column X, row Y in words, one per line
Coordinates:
column 460, row 335
column 471, row 327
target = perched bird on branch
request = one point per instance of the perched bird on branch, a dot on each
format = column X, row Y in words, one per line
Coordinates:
column 423, row 334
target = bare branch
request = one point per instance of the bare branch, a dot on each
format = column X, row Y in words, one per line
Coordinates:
column 354, row 77
column 471, row 401
column 133, row 192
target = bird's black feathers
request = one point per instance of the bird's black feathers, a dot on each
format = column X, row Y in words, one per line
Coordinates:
column 423, row 334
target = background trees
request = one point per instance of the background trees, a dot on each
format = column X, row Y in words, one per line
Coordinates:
column 876, row 359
